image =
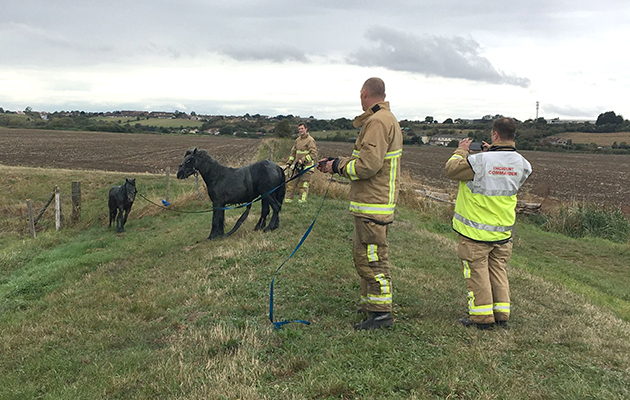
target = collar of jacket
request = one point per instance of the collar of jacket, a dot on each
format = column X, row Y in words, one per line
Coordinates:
column 503, row 145
column 360, row 120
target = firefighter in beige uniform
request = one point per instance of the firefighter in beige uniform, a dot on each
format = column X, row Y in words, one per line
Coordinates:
column 484, row 218
column 373, row 171
column 303, row 155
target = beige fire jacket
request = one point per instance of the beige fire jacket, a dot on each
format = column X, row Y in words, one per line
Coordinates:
column 374, row 166
column 304, row 149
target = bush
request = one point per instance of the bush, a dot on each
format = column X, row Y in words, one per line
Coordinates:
column 580, row 220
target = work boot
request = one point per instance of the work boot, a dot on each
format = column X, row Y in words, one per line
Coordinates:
column 503, row 324
column 377, row 320
column 467, row 322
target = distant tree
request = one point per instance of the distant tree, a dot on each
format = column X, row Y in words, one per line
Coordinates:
column 609, row 117
column 623, row 145
column 428, row 119
column 615, row 145
column 453, row 143
column 284, row 129
column 1, row 110
column 225, row 130
column 448, row 121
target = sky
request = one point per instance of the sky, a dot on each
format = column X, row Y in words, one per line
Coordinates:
column 440, row 58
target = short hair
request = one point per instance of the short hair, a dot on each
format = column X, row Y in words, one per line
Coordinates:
column 375, row 87
column 303, row 124
column 505, row 128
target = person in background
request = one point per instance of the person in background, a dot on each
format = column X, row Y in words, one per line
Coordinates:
column 373, row 170
column 303, row 155
column 484, row 218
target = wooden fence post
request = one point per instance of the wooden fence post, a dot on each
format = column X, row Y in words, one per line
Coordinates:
column 76, row 201
column 31, row 223
column 58, row 216
column 168, row 183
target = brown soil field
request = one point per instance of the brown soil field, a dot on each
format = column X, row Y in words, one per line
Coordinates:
column 597, row 178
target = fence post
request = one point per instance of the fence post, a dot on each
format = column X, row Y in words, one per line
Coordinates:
column 76, row 201
column 58, row 216
column 31, row 223
column 168, row 183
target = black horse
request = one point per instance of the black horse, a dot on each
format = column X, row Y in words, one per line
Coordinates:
column 121, row 199
column 237, row 186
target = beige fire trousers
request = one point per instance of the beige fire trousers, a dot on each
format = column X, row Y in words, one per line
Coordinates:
column 371, row 260
column 486, row 279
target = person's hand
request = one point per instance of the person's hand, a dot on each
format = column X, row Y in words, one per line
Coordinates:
column 485, row 145
column 465, row 144
column 325, row 165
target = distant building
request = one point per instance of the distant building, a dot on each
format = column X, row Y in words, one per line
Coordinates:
column 443, row 140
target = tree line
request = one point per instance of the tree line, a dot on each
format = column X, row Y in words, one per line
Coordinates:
column 531, row 133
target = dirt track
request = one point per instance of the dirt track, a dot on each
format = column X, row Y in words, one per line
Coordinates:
column 603, row 179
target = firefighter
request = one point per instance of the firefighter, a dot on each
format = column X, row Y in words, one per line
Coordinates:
column 484, row 218
column 373, row 171
column 303, row 155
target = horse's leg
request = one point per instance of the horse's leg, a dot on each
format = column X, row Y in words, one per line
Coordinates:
column 120, row 225
column 218, row 217
column 242, row 219
column 262, row 221
column 112, row 215
column 275, row 217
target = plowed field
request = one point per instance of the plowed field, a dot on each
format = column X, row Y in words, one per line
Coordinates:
column 603, row 179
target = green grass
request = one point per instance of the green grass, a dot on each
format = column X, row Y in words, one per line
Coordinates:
column 159, row 312
column 159, row 122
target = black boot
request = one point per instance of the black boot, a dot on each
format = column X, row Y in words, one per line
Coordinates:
column 467, row 322
column 377, row 320
column 503, row 324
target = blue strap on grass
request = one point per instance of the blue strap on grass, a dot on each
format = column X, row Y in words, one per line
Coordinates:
column 279, row 324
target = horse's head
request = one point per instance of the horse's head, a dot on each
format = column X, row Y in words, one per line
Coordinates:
column 130, row 189
column 188, row 166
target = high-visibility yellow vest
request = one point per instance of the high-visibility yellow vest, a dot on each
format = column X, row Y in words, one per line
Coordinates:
column 485, row 206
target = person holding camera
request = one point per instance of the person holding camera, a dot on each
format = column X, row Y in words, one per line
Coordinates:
column 373, row 171
column 484, row 218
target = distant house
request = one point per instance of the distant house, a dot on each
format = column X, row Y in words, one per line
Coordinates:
column 555, row 141
column 161, row 114
column 443, row 140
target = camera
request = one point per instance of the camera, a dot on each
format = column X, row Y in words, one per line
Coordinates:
column 476, row 146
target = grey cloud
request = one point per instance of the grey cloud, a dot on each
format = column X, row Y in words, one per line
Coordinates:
column 277, row 54
column 569, row 111
column 429, row 55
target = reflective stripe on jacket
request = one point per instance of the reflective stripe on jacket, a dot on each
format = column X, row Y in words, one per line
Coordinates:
column 374, row 166
column 484, row 209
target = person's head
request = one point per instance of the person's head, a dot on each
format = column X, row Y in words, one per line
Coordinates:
column 372, row 92
column 302, row 129
column 503, row 129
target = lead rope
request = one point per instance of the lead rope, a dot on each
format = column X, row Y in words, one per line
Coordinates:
column 279, row 324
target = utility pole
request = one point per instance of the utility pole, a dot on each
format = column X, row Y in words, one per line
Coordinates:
column 537, row 104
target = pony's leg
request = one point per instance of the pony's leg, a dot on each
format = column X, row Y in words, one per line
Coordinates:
column 275, row 218
column 120, row 225
column 218, row 218
column 262, row 221
column 112, row 215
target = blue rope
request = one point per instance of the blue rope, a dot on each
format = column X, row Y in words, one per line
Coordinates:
column 279, row 324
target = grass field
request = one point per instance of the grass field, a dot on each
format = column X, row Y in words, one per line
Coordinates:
column 159, row 312
column 601, row 139
column 159, row 122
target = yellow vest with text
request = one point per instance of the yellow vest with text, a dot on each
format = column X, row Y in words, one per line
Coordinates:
column 485, row 206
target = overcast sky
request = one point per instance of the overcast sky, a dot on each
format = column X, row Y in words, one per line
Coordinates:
column 443, row 58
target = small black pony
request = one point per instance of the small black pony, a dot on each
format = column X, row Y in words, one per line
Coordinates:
column 237, row 186
column 120, row 201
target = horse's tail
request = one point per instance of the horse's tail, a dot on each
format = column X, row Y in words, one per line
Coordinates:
column 282, row 189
